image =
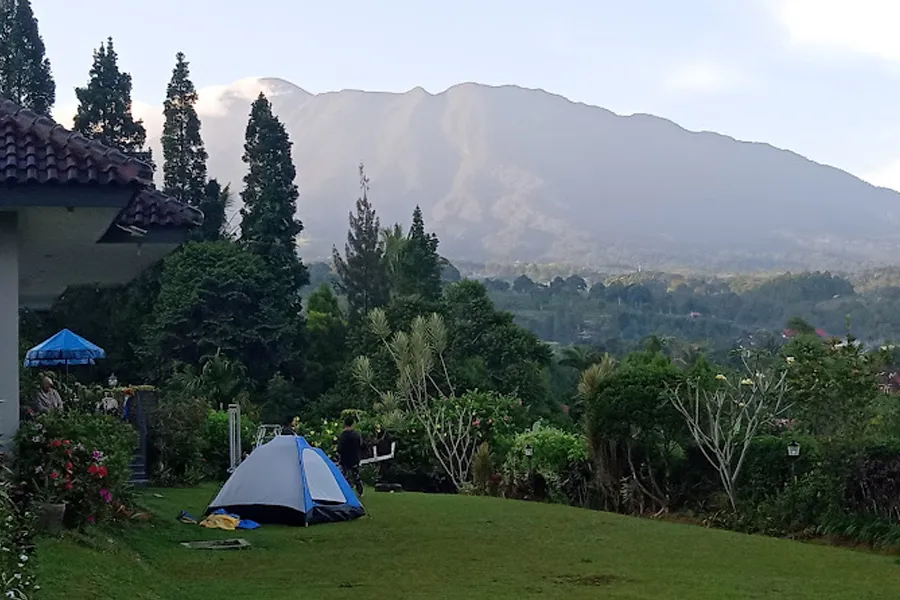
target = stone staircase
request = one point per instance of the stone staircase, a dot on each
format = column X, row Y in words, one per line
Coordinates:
column 141, row 405
column 139, row 476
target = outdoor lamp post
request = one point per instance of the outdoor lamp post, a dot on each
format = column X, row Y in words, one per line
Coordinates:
column 529, row 452
column 113, row 381
column 794, row 452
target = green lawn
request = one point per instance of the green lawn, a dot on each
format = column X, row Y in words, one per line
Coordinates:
column 428, row 546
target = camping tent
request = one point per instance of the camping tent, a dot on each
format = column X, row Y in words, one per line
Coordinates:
column 287, row 481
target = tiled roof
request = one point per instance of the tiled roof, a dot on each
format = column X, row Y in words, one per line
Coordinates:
column 34, row 149
column 151, row 208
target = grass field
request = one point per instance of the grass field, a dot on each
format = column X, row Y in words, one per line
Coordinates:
column 448, row 547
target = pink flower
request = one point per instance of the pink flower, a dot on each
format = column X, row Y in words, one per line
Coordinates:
column 106, row 495
column 476, row 422
column 90, row 519
column 96, row 455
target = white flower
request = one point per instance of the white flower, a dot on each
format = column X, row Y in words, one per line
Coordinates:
column 746, row 381
column 720, row 377
column 790, row 360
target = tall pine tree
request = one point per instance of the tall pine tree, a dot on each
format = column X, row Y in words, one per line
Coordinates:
column 25, row 76
column 184, row 166
column 419, row 262
column 363, row 270
column 269, row 225
column 214, row 205
column 104, row 105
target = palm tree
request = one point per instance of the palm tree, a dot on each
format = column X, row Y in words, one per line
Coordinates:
column 579, row 357
column 393, row 242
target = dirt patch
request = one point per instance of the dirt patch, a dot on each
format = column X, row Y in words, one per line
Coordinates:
column 598, row 580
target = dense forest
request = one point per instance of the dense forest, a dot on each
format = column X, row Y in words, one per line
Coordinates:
column 616, row 312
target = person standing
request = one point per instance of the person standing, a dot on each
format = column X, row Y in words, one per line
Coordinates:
column 349, row 447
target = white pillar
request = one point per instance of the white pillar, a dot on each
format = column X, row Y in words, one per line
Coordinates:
column 9, row 328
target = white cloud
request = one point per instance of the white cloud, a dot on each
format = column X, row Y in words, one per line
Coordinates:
column 887, row 176
column 703, row 78
column 212, row 101
column 867, row 27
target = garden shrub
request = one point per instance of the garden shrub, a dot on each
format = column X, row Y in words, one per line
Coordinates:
column 768, row 469
column 323, row 435
column 17, row 578
column 216, row 454
column 873, row 482
column 413, row 466
column 860, row 494
column 842, row 489
column 497, row 419
column 483, row 470
column 77, row 458
column 555, row 454
column 177, row 432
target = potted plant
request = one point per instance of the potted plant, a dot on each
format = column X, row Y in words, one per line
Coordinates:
column 51, row 509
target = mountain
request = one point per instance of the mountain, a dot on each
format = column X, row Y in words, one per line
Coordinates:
column 510, row 174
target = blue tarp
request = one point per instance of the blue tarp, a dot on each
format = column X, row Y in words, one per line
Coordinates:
column 64, row 348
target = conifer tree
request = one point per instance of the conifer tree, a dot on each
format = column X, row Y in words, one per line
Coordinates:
column 25, row 76
column 214, row 205
column 104, row 105
column 363, row 270
column 269, row 225
column 420, row 264
column 184, row 156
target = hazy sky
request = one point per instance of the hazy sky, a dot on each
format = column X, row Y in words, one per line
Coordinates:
column 821, row 77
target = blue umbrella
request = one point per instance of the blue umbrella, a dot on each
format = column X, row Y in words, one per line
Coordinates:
column 64, row 348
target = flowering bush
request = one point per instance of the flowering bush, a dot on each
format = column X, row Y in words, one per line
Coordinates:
column 497, row 419
column 323, row 435
column 79, row 459
column 16, row 529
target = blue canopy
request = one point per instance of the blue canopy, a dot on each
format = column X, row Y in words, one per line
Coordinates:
column 64, row 348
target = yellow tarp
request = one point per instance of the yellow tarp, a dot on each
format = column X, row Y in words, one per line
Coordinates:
column 226, row 522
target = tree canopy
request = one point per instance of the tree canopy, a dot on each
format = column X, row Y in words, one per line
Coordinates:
column 25, row 75
column 363, row 270
column 184, row 155
column 104, row 105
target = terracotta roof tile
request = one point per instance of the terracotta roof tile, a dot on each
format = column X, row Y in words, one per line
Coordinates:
column 36, row 149
column 151, row 208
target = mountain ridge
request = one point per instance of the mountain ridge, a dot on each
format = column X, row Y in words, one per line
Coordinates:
column 507, row 173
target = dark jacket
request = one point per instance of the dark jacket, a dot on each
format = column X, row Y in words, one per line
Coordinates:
column 349, row 447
